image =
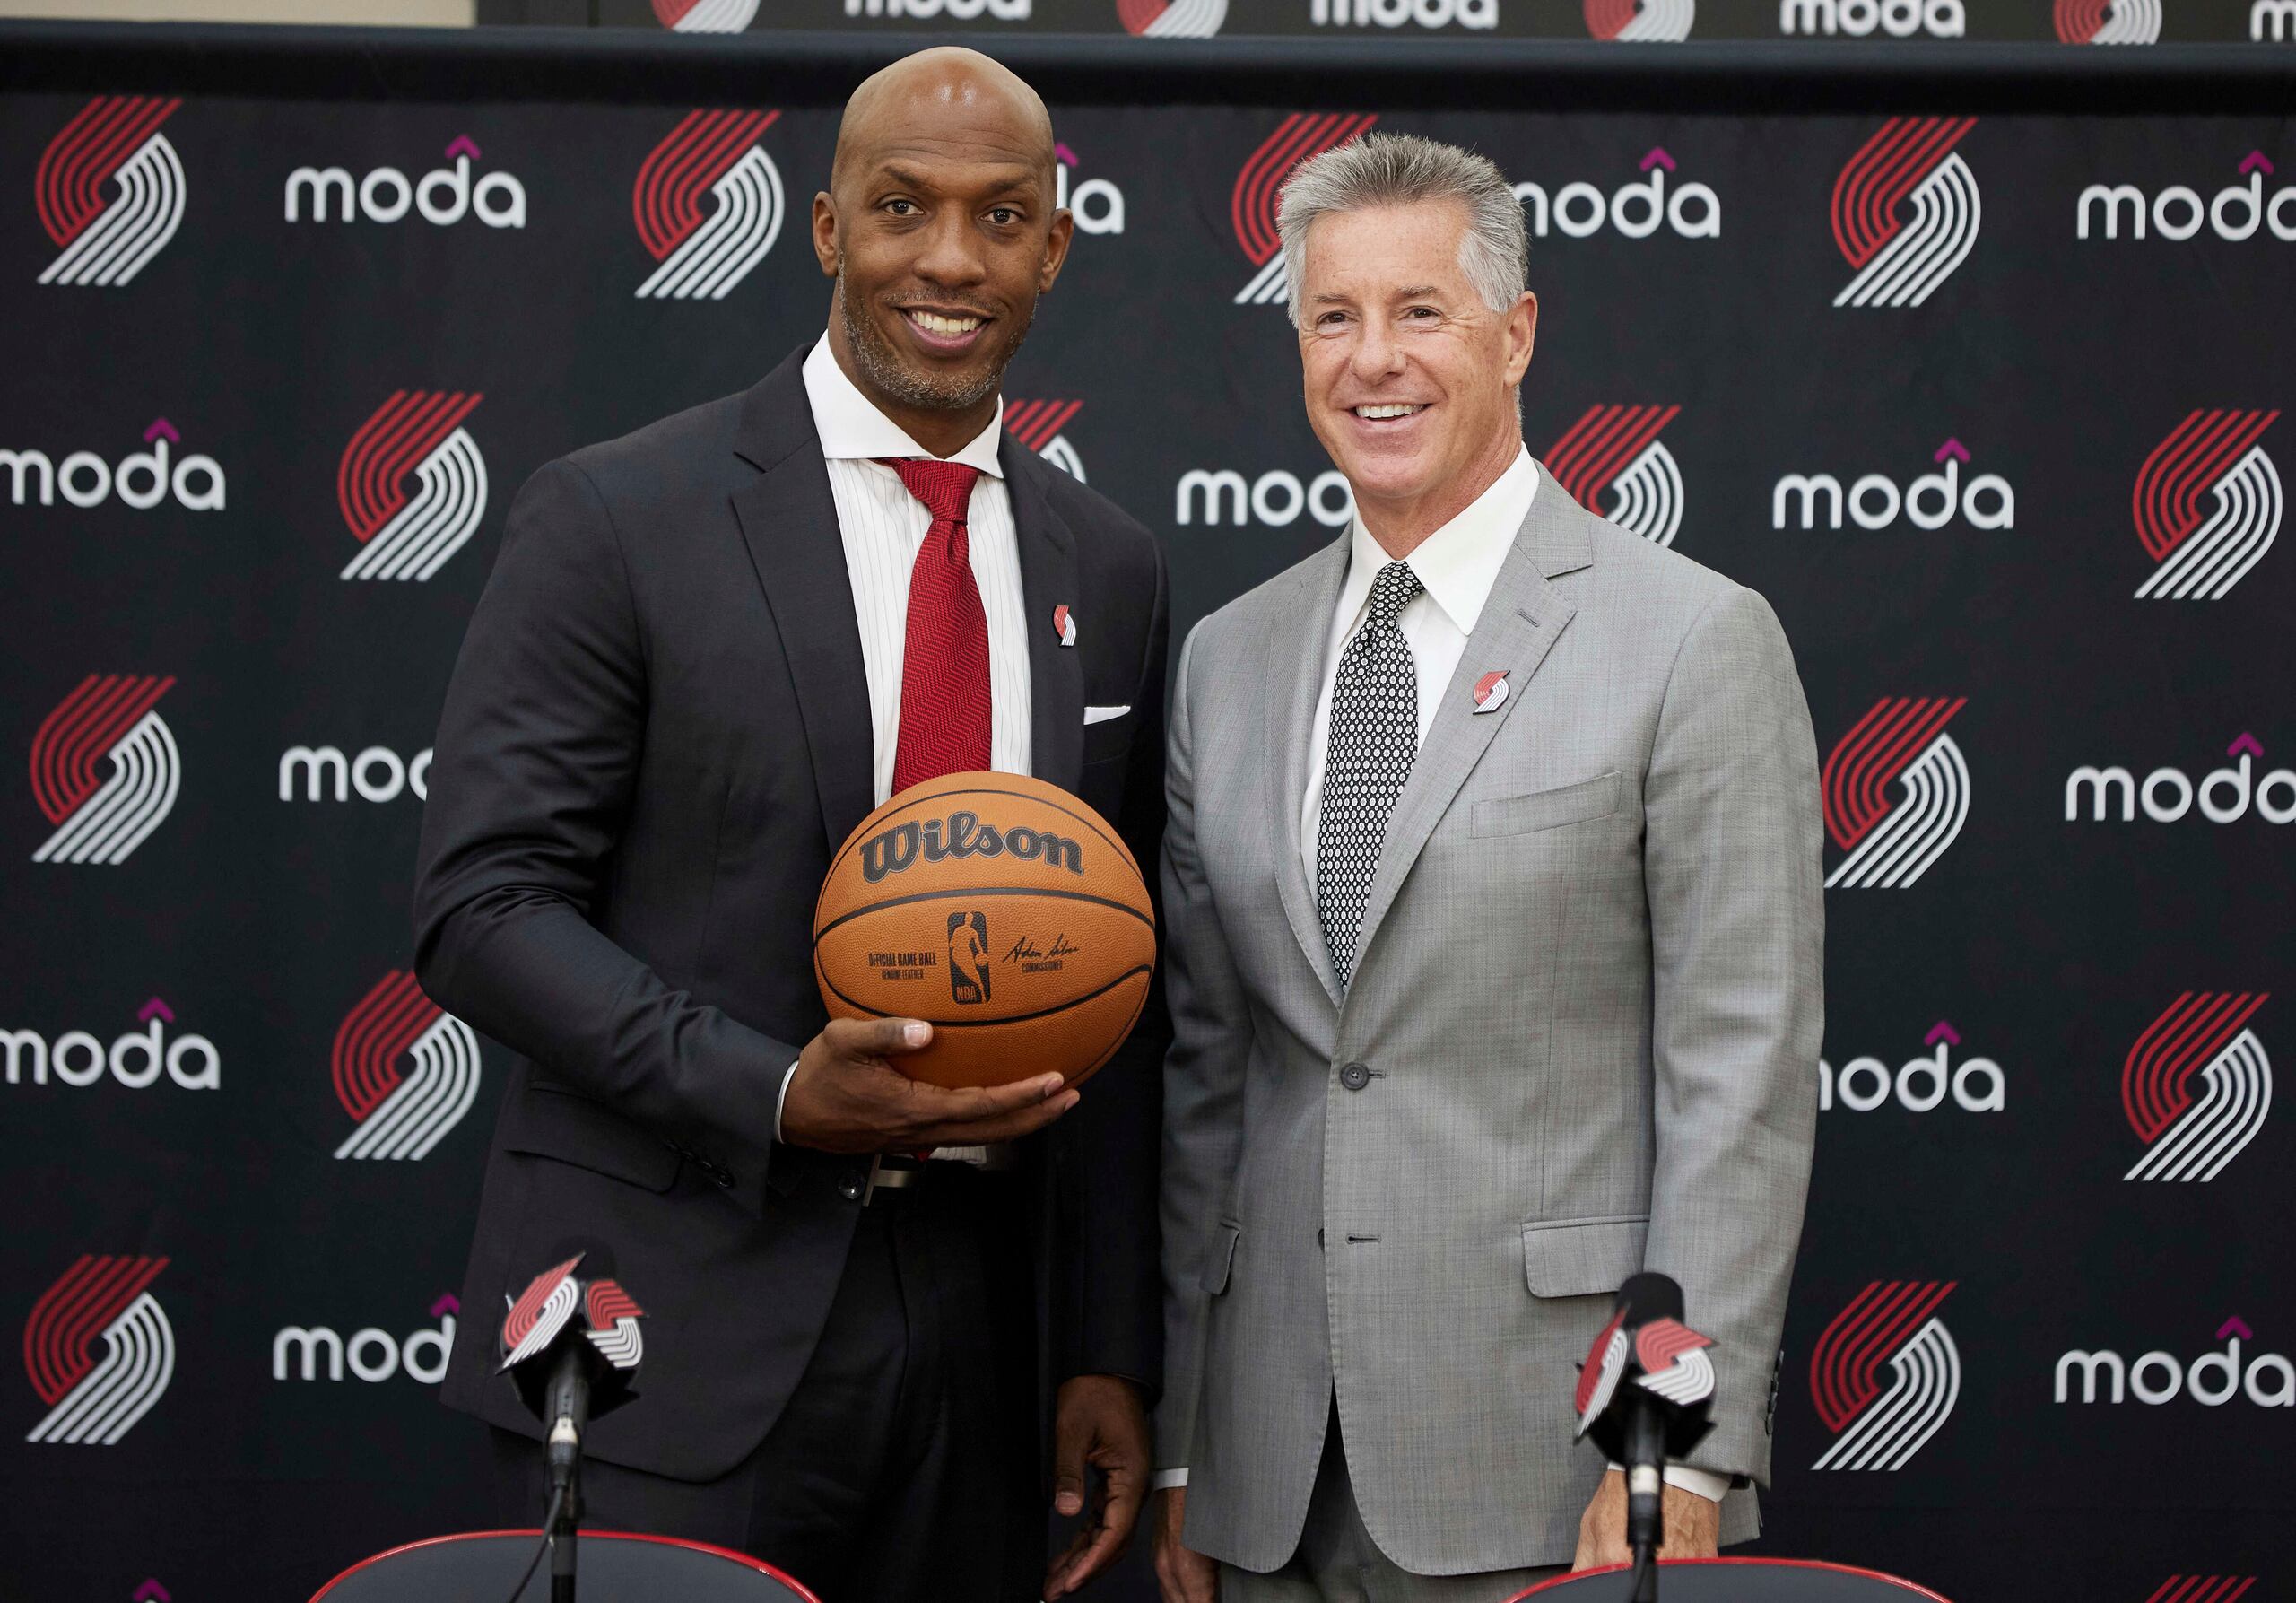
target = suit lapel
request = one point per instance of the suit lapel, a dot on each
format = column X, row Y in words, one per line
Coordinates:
column 1048, row 549
column 1293, row 674
column 1520, row 625
column 789, row 520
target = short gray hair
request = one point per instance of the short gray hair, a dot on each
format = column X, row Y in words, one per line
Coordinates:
column 1396, row 169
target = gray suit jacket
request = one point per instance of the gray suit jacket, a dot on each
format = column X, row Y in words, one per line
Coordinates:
column 1588, row 1001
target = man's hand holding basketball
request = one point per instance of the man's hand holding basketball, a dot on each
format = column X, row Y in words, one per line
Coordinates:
column 847, row 1096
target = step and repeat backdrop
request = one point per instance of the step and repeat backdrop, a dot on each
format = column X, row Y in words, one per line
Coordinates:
column 1993, row 405
column 1626, row 22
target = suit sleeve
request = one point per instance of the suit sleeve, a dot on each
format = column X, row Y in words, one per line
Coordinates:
column 1112, row 1324
column 535, row 760
column 1732, row 865
column 1204, row 1088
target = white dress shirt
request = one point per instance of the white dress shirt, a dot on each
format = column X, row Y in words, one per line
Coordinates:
column 884, row 526
column 1457, row 564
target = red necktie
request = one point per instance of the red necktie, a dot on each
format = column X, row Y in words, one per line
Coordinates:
column 944, row 662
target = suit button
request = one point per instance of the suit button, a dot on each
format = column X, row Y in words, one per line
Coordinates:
column 1355, row 1076
column 850, row 1191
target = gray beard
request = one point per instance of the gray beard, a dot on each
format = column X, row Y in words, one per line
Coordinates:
column 881, row 365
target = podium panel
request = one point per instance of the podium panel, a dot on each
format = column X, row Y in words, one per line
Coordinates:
column 616, row 1567
column 1738, row 1581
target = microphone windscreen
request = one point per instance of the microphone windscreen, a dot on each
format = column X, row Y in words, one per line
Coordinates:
column 1647, row 1296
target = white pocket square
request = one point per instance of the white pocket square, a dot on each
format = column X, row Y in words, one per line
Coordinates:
column 1100, row 715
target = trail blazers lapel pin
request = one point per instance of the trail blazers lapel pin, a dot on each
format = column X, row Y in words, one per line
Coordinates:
column 1064, row 625
column 1491, row 691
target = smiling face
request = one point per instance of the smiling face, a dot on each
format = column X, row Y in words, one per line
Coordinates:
column 1409, row 377
column 940, row 229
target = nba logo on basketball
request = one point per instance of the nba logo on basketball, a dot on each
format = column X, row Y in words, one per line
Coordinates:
column 969, row 957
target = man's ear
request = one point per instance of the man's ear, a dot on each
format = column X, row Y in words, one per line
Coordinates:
column 825, row 233
column 1055, row 248
column 1522, row 335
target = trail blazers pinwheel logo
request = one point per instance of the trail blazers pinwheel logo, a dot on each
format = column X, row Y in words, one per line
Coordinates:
column 2109, row 21
column 1617, row 448
column 714, row 154
column 1638, row 22
column 101, row 817
column 1252, row 207
column 1900, row 262
column 1874, row 1427
column 533, row 1319
column 95, row 1400
column 2192, row 1130
column 404, row 533
column 404, row 1068
column 2201, row 551
column 705, row 16
column 115, row 139
column 1171, row 18
column 1902, row 742
column 1038, row 425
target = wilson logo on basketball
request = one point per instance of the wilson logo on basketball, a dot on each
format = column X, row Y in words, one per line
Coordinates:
column 93, row 1401
column 1252, row 206
column 1898, row 262
column 2109, row 21
column 408, row 532
column 1875, row 1426
column 406, row 1068
column 103, row 817
column 716, row 154
column 1902, row 742
column 1616, row 449
column 1038, row 424
column 2207, row 505
column 1640, row 21
column 115, row 139
column 2192, row 1130
column 962, row 834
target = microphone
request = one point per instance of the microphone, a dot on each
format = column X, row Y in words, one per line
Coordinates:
column 568, row 1370
column 1643, row 1396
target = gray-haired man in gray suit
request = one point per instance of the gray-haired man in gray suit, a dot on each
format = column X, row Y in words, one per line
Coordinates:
column 1492, row 886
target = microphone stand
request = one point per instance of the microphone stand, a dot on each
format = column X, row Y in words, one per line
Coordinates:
column 563, row 1541
column 1646, row 1452
column 570, row 1415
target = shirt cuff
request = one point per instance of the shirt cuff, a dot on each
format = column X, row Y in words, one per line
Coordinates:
column 787, row 1075
column 1698, row 1483
column 1167, row 1479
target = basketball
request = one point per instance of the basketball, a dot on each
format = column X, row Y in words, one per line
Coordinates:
column 1002, row 911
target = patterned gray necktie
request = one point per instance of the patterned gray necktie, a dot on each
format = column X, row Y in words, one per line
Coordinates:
column 1374, row 734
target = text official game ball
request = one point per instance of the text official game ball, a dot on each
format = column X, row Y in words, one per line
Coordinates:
column 1002, row 911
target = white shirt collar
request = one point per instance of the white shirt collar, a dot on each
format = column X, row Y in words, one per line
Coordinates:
column 851, row 426
column 1459, row 563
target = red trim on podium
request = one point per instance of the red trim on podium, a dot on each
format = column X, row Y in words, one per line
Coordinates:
column 758, row 1564
column 1774, row 1563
